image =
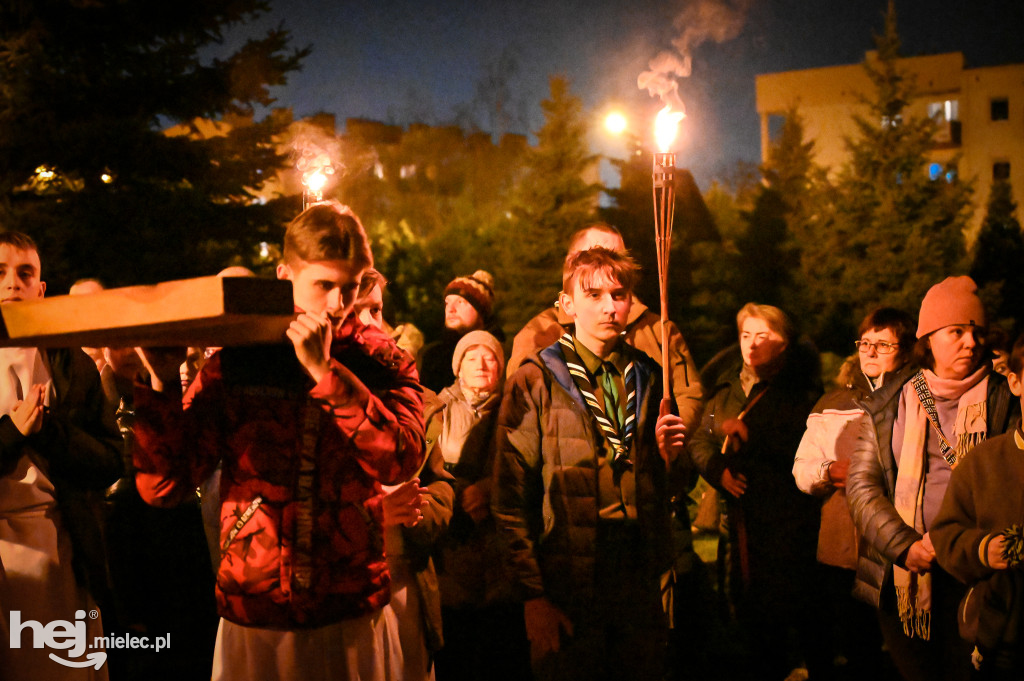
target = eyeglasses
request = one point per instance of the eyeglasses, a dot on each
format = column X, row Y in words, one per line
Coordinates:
column 881, row 347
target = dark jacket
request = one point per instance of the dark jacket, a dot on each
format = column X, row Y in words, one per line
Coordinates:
column 81, row 446
column 871, row 482
column 544, row 497
column 779, row 521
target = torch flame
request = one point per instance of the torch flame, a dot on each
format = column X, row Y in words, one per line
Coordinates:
column 666, row 125
column 315, row 180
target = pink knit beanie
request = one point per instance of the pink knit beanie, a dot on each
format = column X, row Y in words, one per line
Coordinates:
column 953, row 301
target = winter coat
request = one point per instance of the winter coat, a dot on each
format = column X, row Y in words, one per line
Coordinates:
column 985, row 497
column 545, row 497
column 302, row 464
column 469, row 566
column 779, row 522
column 830, row 436
column 871, row 485
column 643, row 332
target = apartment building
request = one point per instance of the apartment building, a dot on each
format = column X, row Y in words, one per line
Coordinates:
column 979, row 111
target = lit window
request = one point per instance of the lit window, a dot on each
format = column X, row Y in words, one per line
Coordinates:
column 405, row 172
column 1000, row 109
column 946, row 110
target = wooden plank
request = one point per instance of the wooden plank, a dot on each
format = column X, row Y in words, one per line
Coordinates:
column 208, row 311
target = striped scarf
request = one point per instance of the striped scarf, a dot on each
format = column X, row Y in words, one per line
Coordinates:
column 619, row 440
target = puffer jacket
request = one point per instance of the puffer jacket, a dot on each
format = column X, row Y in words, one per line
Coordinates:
column 871, row 481
column 544, row 497
column 831, row 433
column 301, row 521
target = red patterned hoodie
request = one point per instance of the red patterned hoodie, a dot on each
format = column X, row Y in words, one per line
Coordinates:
column 302, row 464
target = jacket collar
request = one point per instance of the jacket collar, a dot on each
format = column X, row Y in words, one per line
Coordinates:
column 552, row 360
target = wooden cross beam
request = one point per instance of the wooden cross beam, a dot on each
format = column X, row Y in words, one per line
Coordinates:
column 205, row 312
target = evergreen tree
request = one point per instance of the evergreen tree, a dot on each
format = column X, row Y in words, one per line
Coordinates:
column 787, row 212
column 86, row 89
column 998, row 258
column 892, row 232
column 551, row 201
column 766, row 259
column 632, row 213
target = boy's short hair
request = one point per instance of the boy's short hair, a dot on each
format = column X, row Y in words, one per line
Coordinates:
column 18, row 240
column 327, row 231
column 585, row 265
column 1015, row 362
column 579, row 234
column 777, row 320
column 371, row 278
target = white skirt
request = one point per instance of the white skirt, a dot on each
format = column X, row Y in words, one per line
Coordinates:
column 351, row 650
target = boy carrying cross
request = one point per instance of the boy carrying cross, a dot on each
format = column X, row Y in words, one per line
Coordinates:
column 305, row 435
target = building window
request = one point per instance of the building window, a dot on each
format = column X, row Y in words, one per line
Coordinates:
column 1001, row 170
column 1000, row 109
column 946, row 110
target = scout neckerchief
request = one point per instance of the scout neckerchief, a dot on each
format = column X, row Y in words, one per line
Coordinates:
column 619, row 438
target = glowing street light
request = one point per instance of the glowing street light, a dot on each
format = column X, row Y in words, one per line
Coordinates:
column 616, row 123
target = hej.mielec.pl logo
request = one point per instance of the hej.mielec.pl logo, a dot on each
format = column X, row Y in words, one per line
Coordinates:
column 72, row 637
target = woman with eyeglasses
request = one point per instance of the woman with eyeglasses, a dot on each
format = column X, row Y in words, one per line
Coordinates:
column 886, row 339
column 919, row 425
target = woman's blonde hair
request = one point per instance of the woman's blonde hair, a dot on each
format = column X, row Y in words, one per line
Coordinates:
column 777, row 320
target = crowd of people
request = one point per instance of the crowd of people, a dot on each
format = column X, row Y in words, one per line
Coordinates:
column 358, row 504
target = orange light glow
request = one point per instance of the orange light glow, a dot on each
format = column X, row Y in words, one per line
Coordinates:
column 615, row 123
column 666, row 126
column 315, row 181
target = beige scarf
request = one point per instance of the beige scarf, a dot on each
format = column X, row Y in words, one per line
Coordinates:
column 914, row 591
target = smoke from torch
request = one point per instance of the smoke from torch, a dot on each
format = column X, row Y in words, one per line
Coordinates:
column 700, row 21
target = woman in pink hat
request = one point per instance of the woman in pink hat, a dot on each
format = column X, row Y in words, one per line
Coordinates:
column 920, row 425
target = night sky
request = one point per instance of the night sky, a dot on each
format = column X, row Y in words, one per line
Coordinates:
column 401, row 61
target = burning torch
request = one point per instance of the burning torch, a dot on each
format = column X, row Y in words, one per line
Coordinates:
column 313, row 162
column 313, row 186
column 665, row 128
